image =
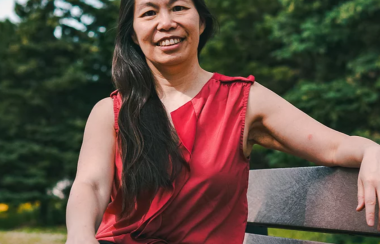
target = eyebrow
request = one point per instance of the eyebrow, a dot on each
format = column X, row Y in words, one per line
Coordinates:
column 150, row 4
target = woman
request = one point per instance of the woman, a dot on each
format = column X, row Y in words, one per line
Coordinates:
column 171, row 145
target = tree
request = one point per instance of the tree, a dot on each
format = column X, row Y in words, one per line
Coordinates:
column 333, row 48
column 243, row 45
column 49, row 82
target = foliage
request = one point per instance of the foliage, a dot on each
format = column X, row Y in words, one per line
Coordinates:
column 48, row 85
column 333, row 48
column 323, row 56
column 14, row 218
column 243, row 44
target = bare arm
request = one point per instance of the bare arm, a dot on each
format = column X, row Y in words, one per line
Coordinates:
column 275, row 123
column 91, row 189
column 350, row 152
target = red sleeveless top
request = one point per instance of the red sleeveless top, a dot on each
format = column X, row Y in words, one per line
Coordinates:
column 208, row 204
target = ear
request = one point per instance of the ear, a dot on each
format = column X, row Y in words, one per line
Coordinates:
column 134, row 38
column 202, row 26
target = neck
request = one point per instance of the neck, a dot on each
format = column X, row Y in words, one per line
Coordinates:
column 172, row 81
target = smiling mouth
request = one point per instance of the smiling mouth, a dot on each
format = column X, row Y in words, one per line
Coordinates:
column 170, row 42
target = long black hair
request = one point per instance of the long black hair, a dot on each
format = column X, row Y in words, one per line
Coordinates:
column 149, row 145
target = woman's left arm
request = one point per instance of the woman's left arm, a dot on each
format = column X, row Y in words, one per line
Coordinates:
column 275, row 123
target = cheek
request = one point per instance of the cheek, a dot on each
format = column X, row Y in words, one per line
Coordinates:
column 140, row 32
column 195, row 26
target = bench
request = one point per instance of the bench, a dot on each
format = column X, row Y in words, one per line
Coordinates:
column 318, row 199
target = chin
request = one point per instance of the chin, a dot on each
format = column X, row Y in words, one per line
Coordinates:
column 170, row 61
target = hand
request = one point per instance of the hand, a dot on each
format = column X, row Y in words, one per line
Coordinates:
column 369, row 184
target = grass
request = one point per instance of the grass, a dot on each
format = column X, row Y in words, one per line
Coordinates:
column 33, row 236
column 49, row 230
column 300, row 235
column 323, row 237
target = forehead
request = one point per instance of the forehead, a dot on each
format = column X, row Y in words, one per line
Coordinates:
column 155, row 3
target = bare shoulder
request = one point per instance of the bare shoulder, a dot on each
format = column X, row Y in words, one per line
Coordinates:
column 105, row 102
column 104, row 107
column 102, row 113
column 262, row 102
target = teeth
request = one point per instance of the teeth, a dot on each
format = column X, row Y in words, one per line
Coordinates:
column 169, row 42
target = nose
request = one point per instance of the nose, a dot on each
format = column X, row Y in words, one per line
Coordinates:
column 166, row 22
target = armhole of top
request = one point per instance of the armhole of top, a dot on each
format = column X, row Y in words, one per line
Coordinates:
column 246, row 89
column 116, row 108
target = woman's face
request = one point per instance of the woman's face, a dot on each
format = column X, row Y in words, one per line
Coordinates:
column 167, row 31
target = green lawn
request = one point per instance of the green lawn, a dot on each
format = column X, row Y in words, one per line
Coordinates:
column 323, row 237
column 29, row 236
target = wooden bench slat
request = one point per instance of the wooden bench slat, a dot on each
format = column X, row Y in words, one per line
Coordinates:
column 312, row 198
column 259, row 239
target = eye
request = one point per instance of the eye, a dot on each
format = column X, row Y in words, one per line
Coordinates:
column 149, row 13
column 178, row 8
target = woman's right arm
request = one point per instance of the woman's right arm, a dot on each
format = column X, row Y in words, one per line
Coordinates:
column 91, row 189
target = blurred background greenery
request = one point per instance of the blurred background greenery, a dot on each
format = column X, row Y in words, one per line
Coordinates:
column 55, row 64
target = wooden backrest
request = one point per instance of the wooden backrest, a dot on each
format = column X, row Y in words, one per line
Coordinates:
column 318, row 199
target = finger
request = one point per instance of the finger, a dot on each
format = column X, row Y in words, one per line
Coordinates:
column 370, row 203
column 360, row 206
